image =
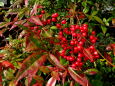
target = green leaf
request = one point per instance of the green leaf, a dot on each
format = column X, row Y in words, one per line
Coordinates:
column 1, row 4
column 91, row 71
column 86, row 9
column 98, row 19
column 94, row 13
column 84, row 4
column 104, row 29
column 53, row 27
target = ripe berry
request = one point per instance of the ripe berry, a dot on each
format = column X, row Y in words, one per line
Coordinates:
column 93, row 32
column 72, row 42
column 55, row 15
column 48, row 21
column 74, row 34
column 63, row 21
column 91, row 47
column 77, row 27
column 85, row 25
column 75, row 49
column 76, row 63
column 93, row 41
column 91, row 37
column 40, row 16
column 42, row 12
column 81, row 43
column 80, row 64
column 70, row 58
column 72, row 29
column 78, row 59
column 95, row 53
column 73, row 65
column 58, row 25
column 79, row 48
column 80, row 55
column 54, row 19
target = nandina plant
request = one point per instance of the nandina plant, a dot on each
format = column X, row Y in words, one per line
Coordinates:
column 61, row 49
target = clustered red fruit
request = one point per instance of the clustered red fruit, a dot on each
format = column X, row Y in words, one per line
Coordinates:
column 73, row 48
column 74, row 40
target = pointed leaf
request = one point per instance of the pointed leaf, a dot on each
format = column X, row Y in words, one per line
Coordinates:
column 34, row 10
column 7, row 64
column 56, row 61
column 88, row 54
column 104, row 29
column 91, row 71
column 35, row 20
column 81, row 79
column 51, row 82
column 98, row 19
column 30, row 66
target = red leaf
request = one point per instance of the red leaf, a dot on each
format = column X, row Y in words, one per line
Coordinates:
column 51, row 82
column 56, row 61
column 7, row 64
column 36, row 20
column 15, row 24
column 30, row 66
column 34, row 10
column 108, row 57
column 88, row 54
column 81, row 79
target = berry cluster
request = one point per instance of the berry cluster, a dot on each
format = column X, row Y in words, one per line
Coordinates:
column 75, row 45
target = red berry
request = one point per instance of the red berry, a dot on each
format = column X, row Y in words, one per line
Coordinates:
column 85, row 25
column 77, row 27
column 42, row 12
column 75, row 49
column 78, row 59
column 71, row 58
column 58, row 25
column 76, row 63
column 48, row 21
column 91, row 47
column 80, row 55
column 84, row 34
column 93, row 41
column 72, row 29
column 54, row 19
column 72, row 42
column 79, row 48
column 55, row 15
column 40, row 16
column 95, row 53
column 93, row 32
column 73, row 65
column 91, row 37
column 81, row 43
column 74, row 34
column 63, row 21
column 80, row 64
